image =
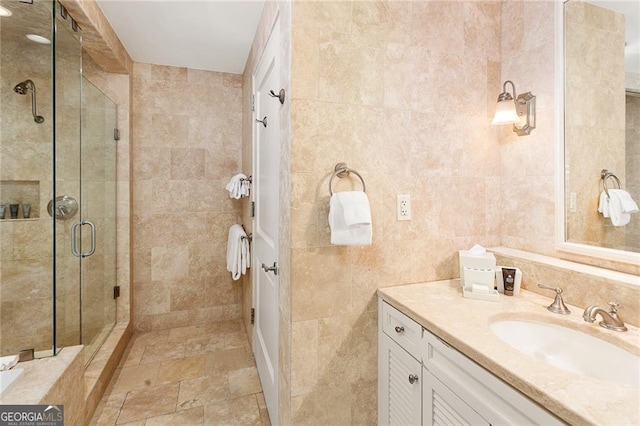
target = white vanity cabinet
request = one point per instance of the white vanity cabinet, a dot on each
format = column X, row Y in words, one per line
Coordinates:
column 423, row 381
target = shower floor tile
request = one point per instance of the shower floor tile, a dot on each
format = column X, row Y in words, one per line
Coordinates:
column 200, row 375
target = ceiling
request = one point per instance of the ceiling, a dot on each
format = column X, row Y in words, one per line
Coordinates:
column 206, row 34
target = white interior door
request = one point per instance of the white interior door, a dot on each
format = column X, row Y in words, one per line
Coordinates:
column 266, row 182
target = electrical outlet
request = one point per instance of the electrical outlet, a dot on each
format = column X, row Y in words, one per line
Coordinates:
column 403, row 207
column 573, row 201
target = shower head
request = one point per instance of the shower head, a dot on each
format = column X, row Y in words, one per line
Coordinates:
column 22, row 89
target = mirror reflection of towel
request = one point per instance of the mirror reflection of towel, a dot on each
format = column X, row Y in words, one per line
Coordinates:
column 618, row 206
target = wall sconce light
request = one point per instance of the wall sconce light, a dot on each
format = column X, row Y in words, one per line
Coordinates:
column 521, row 111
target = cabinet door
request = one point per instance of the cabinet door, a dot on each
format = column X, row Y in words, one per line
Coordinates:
column 440, row 406
column 399, row 385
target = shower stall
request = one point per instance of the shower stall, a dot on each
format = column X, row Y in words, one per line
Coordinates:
column 57, row 187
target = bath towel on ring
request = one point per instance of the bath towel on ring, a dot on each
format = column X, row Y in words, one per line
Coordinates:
column 238, row 253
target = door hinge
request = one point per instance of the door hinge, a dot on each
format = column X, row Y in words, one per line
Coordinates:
column 253, row 102
column 116, row 134
column 253, row 209
column 253, row 315
column 116, row 291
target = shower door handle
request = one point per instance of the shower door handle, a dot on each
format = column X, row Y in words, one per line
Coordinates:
column 74, row 231
column 92, row 249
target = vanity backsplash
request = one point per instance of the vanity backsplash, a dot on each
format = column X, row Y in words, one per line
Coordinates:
column 583, row 285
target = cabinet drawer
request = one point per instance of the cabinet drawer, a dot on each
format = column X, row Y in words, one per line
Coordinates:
column 402, row 329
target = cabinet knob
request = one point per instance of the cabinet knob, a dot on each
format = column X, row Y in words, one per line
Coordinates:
column 399, row 329
column 413, row 378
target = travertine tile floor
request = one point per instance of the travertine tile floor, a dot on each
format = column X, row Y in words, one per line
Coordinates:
column 198, row 375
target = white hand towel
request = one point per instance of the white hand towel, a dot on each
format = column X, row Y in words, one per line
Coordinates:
column 341, row 234
column 626, row 202
column 355, row 205
column 235, row 252
column 619, row 217
column 238, row 186
column 603, row 205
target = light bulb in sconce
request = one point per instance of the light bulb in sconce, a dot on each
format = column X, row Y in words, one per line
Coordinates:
column 519, row 111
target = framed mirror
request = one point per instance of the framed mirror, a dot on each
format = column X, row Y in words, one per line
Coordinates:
column 598, row 114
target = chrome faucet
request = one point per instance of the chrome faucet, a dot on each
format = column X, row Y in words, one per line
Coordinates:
column 558, row 306
column 610, row 319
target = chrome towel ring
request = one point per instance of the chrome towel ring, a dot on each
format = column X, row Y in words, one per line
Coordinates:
column 341, row 170
column 606, row 174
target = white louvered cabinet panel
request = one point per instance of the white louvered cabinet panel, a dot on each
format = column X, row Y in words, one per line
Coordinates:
column 399, row 400
column 441, row 407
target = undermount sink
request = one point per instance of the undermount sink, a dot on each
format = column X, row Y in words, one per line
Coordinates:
column 570, row 350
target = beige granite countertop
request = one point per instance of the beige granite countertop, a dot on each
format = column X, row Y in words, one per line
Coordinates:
column 464, row 324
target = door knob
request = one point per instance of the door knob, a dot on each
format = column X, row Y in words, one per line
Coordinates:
column 413, row 378
column 273, row 268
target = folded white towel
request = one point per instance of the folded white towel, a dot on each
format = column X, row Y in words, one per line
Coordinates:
column 360, row 232
column 238, row 255
column 603, row 205
column 355, row 205
column 621, row 205
column 238, row 186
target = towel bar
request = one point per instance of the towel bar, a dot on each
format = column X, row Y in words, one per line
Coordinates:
column 606, row 174
column 341, row 170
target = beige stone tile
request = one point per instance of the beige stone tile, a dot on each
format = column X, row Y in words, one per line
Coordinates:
column 264, row 413
column 134, row 378
column 321, row 295
column 169, row 263
column 151, row 402
column 181, row 369
column 304, row 357
column 187, row 294
column 220, row 362
column 202, row 345
column 347, row 348
column 182, row 334
column 187, row 164
column 224, row 327
column 323, row 406
column 203, row 391
column 244, row 381
column 162, row 352
column 239, row 411
column 236, row 340
column 193, row 416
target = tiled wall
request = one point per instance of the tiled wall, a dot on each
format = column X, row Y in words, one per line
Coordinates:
column 186, row 146
column 595, row 108
column 402, row 92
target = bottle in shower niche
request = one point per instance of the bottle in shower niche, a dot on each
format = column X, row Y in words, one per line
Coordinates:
column 26, row 211
column 13, row 209
column 2, row 207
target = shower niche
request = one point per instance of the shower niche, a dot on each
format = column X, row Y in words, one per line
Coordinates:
column 23, row 193
column 56, row 140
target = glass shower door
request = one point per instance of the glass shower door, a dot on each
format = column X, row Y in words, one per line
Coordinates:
column 98, row 218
